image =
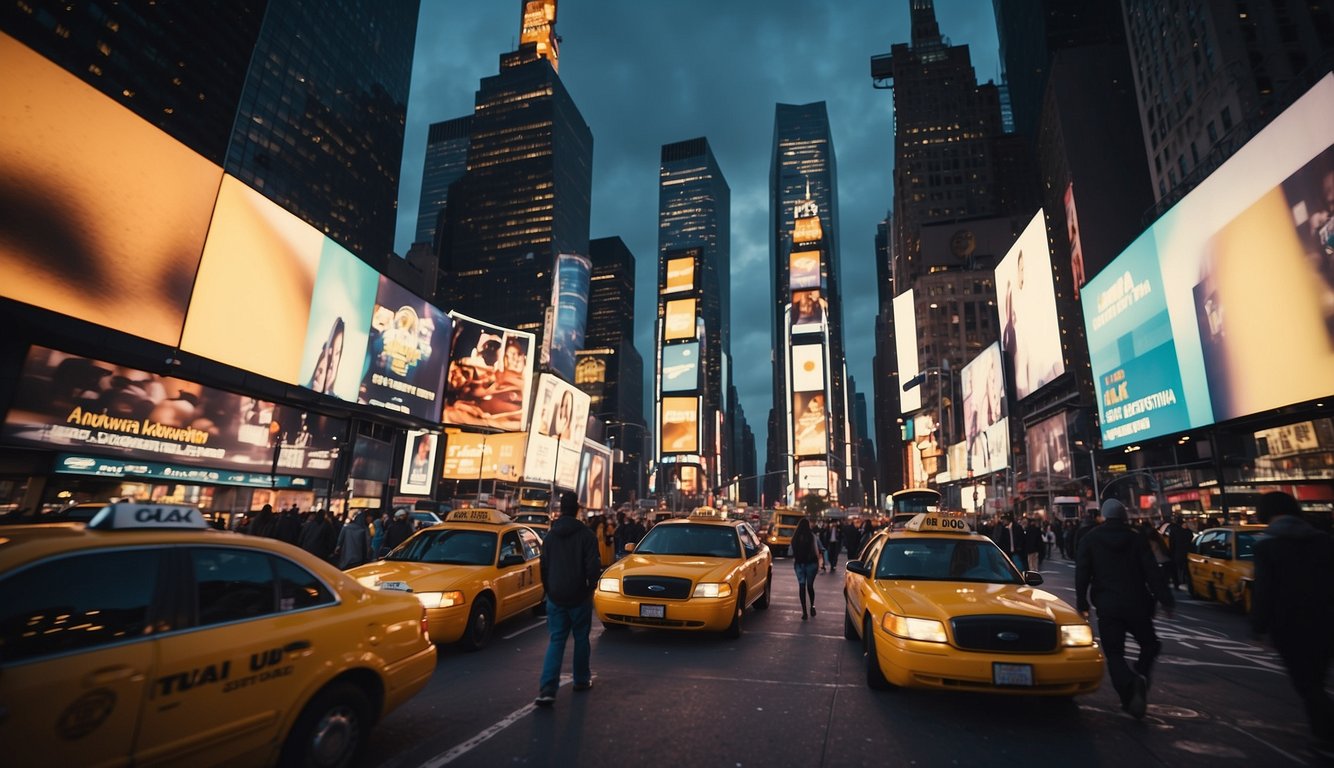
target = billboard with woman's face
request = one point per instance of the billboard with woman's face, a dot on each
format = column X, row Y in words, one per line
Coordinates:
column 556, row 438
column 418, row 473
column 986, row 430
column 489, row 380
column 1030, row 333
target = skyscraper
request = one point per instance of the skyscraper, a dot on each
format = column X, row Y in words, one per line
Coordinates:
column 446, row 162
column 525, row 197
column 694, row 312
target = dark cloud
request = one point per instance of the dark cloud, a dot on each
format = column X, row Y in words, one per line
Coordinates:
column 649, row 72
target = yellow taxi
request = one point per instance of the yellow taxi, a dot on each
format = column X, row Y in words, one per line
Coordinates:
column 475, row 569
column 936, row 605
column 1221, row 564
column 146, row 636
column 783, row 525
column 694, row 573
column 538, row 521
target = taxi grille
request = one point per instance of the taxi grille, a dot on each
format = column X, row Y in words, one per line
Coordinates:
column 658, row 587
column 1004, row 633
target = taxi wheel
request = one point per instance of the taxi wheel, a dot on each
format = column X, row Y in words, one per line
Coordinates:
column 733, row 630
column 331, row 731
column 762, row 601
column 875, row 679
column 480, row 623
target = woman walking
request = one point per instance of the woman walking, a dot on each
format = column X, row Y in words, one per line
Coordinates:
column 806, row 560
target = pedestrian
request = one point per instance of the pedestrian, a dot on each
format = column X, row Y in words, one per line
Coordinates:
column 399, row 531
column 354, row 543
column 1158, row 547
column 317, row 535
column 805, row 560
column 852, row 539
column 264, row 524
column 570, row 568
column 1114, row 565
column 832, row 545
column 1090, row 521
column 1019, row 540
column 378, row 530
column 1179, row 538
column 1293, row 603
column 288, row 526
column 1033, row 544
column 1048, row 540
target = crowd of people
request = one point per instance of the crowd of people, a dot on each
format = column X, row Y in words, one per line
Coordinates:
column 346, row 540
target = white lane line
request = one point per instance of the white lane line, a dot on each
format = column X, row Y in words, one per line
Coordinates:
column 529, row 628
column 462, row 749
column 1288, row 755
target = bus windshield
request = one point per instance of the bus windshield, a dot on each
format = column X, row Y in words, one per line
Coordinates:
column 915, row 501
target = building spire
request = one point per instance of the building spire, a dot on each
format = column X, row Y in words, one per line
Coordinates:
column 925, row 30
column 537, row 26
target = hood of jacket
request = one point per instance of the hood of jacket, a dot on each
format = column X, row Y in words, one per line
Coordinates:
column 1291, row 527
column 565, row 526
column 1116, row 535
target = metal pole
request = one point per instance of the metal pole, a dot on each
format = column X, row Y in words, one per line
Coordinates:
column 1093, row 475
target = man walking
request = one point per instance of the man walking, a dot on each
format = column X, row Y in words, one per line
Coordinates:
column 1294, row 604
column 1115, row 564
column 570, row 568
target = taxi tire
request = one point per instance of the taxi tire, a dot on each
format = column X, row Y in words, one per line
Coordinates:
column 481, row 622
column 734, row 630
column 762, row 602
column 341, row 701
column 875, row 679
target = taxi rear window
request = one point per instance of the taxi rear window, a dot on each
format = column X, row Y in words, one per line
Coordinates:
column 449, row 546
column 945, row 560
column 695, row 540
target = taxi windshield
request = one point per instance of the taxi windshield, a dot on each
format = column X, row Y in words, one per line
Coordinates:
column 691, row 540
column 448, row 546
column 945, row 560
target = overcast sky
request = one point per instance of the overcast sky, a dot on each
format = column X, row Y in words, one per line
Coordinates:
column 650, row 72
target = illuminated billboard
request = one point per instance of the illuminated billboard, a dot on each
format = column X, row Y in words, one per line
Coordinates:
column 1189, row 325
column 812, row 476
column 986, row 430
column 474, row 456
column 680, row 367
column 679, row 320
column 569, row 313
column 75, row 403
column 594, row 489
column 1072, row 234
column 1048, row 447
column 1026, row 296
column 341, row 308
column 809, row 424
column 406, row 354
column 807, row 367
column 807, row 311
column 804, row 270
column 104, row 215
column 680, row 425
column 417, row 476
column 680, row 275
column 557, row 435
column 489, row 380
column 905, row 348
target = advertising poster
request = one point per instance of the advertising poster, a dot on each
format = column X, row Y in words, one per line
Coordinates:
column 1188, row 327
column 1048, row 447
column 1072, row 236
column 680, row 275
column 680, row 425
column 807, row 367
column 418, row 474
column 812, row 476
column 680, row 367
column 78, row 404
column 489, row 380
column 1026, row 300
column 341, row 307
column 595, row 477
column 556, row 439
column 569, row 313
column 679, row 320
column 476, row 456
column 104, row 215
column 808, row 424
column 984, row 411
column 905, row 348
column 687, row 479
column 807, row 311
column 804, row 270
column 406, row 353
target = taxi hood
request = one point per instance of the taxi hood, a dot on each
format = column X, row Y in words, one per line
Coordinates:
column 690, row 567
column 943, row 600
column 422, row 577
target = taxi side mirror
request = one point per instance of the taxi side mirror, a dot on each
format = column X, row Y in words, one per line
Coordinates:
column 1032, row 578
column 858, row 567
column 511, row 560
column 629, row 547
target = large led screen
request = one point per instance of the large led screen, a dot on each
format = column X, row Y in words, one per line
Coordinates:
column 418, row 473
column 1030, row 335
column 595, row 477
column 680, row 275
column 680, row 367
column 679, row 320
column 680, row 425
column 338, row 332
column 807, row 367
column 75, row 403
column 556, row 439
column 809, row 422
column 812, row 476
column 1048, row 447
column 569, row 313
column 984, row 424
column 474, row 456
column 905, row 348
column 371, row 459
column 804, row 270
column 489, row 383
column 1225, row 306
column 103, row 215
column 807, row 311
column 406, row 353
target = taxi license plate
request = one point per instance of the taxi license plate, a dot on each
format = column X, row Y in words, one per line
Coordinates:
column 1012, row 674
column 653, row 611
column 395, row 586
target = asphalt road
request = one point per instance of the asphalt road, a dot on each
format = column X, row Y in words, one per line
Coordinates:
column 793, row 693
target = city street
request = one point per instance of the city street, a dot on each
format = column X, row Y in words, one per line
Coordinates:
column 792, row 693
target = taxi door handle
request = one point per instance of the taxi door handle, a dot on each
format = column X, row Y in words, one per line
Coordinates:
column 108, row 675
column 299, row 645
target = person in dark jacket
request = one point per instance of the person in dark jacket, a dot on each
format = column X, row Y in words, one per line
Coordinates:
column 265, row 523
column 1293, row 603
column 398, row 532
column 1033, row 544
column 1178, row 546
column 805, row 561
column 570, row 567
column 1090, row 521
column 318, row 536
column 852, row 539
column 1114, row 563
column 288, row 527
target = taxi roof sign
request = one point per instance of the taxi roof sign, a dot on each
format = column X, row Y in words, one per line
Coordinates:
column 478, row 515
column 142, row 515
column 934, row 522
column 710, row 513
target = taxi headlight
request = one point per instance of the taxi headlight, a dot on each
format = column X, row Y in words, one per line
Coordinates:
column 1076, row 634
column 609, row 585
column 440, row 599
column 928, row 630
column 712, row 589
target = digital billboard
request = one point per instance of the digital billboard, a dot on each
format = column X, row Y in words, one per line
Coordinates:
column 804, row 270
column 1072, row 234
column 489, row 380
column 476, row 456
column 341, row 306
column 1190, row 325
column 807, row 367
column 104, row 215
column 569, row 313
column 679, row 320
column 680, row 367
column 556, row 439
column 680, row 425
column 1026, row 296
column 406, row 354
column 809, row 424
column 984, row 410
column 807, row 311
column 594, row 489
column 680, row 275
column 76, row 403
column 812, row 476
column 418, row 474
column 905, row 348
column 1048, row 447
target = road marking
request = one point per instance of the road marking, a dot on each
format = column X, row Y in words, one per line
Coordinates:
column 530, row 627
column 1288, row 755
column 460, row 750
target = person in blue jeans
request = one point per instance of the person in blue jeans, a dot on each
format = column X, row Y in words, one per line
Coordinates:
column 806, row 559
column 570, row 567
